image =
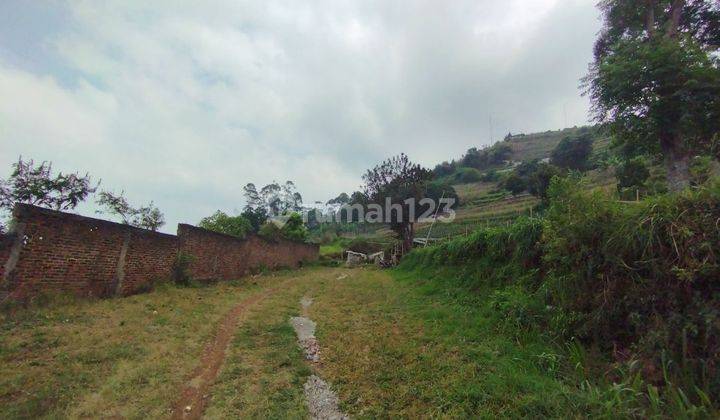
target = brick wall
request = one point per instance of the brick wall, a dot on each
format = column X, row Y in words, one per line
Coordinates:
column 224, row 257
column 85, row 256
column 57, row 251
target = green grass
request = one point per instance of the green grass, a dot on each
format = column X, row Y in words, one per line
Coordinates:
column 264, row 372
column 404, row 347
column 124, row 357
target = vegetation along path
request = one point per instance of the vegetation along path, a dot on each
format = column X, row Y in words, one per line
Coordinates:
column 391, row 346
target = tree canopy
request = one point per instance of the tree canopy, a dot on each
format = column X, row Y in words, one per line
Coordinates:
column 35, row 184
column 393, row 182
column 573, row 152
column 655, row 79
column 230, row 225
column 145, row 217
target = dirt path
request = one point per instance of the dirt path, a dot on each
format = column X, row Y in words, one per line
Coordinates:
column 193, row 398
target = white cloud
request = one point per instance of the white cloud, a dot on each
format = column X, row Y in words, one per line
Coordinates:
column 184, row 105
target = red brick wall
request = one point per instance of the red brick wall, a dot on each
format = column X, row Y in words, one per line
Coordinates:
column 6, row 242
column 92, row 257
column 222, row 257
column 71, row 253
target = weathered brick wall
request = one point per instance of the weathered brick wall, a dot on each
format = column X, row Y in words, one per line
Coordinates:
column 82, row 255
column 222, row 257
column 6, row 242
column 57, row 251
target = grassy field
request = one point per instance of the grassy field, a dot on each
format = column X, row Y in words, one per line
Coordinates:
column 393, row 344
column 124, row 357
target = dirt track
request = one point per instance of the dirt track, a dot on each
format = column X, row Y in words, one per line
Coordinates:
column 193, row 398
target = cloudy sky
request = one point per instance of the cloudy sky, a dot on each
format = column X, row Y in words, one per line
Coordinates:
column 184, row 102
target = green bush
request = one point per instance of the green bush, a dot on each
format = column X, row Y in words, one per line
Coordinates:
column 467, row 175
column 636, row 281
column 640, row 277
column 181, row 269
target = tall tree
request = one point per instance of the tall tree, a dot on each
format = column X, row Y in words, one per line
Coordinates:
column 394, row 182
column 656, row 80
column 573, row 152
column 276, row 199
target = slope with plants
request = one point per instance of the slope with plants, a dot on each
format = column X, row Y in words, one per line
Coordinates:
column 634, row 284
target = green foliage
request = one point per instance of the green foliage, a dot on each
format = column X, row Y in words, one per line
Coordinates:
column 641, row 277
column 656, row 81
column 490, row 176
column 36, row 185
column 634, row 281
column 481, row 159
column 495, row 255
column 438, row 189
column 515, row 183
column 180, row 272
column 539, row 181
column 364, row 246
column 532, row 176
column 270, row 231
column 632, row 173
column 230, row 225
column 467, row 176
column 700, row 169
column 573, row 152
column 294, row 229
column 145, row 217
column 256, row 216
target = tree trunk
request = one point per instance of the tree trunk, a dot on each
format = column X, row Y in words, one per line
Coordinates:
column 677, row 162
column 408, row 236
column 650, row 18
column 675, row 15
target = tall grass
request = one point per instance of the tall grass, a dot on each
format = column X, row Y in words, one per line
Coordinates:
column 639, row 282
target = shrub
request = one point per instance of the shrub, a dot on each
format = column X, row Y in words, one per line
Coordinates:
column 230, row 225
column 467, row 175
column 270, row 231
column 181, row 269
column 515, row 184
column 632, row 173
column 642, row 278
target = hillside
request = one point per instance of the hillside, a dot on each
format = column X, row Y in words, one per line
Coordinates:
column 485, row 203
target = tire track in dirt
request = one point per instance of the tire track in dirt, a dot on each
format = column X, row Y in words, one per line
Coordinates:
column 194, row 396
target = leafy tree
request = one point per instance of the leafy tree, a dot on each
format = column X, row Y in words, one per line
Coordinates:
column 444, row 169
column 35, row 184
column 573, row 152
column 394, row 181
column 341, row 199
column 294, row 229
column 481, row 159
column 490, row 176
column 632, row 173
column 270, row 231
column 230, row 225
column 255, row 216
column 145, row 217
column 515, row 183
column 539, row 180
column 655, row 78
column 276, row 199
column 467, row 175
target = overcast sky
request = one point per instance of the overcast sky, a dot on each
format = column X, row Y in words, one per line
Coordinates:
column 184, row 105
